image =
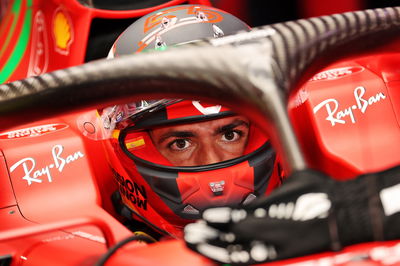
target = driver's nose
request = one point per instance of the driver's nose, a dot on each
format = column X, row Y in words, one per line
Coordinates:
column 209, row 154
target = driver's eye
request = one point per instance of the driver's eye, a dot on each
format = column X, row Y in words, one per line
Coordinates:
column 179, row 144
column 231, row 136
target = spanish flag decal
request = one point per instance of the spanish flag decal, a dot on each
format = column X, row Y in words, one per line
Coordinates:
column 135, row 143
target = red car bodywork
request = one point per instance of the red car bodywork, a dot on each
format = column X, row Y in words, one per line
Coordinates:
column 56, row 185
column 352, row 110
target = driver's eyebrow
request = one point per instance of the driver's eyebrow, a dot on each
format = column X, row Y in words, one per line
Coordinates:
column 175, row 134
column 230, row 126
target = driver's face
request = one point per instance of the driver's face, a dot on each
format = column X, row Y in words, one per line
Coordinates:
column 204, row 142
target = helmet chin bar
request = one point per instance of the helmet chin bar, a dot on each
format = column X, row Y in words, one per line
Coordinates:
column 250, row 72
column 190, row 210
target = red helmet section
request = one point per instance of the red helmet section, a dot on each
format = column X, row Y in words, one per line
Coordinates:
column 163, row 195
column 168, row 196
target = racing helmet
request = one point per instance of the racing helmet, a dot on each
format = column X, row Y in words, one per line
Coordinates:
column 151, row 188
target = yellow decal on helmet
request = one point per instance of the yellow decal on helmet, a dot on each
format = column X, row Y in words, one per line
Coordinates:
column 115, row 134
column 135, row 143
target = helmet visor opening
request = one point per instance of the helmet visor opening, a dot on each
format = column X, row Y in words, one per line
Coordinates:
column 195, row 144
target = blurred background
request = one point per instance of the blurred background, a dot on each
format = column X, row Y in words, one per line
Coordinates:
column 258, row 12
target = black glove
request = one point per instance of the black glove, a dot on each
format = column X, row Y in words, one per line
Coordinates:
column 309, row 213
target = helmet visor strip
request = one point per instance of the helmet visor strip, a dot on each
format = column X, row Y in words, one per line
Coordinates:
column 100, row 125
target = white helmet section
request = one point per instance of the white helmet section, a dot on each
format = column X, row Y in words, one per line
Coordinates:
column 175, row 25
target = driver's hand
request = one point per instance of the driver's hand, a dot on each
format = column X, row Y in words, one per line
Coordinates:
column 310, row 213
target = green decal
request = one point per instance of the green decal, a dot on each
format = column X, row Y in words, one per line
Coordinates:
column 15, row 10
column 22, row 42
